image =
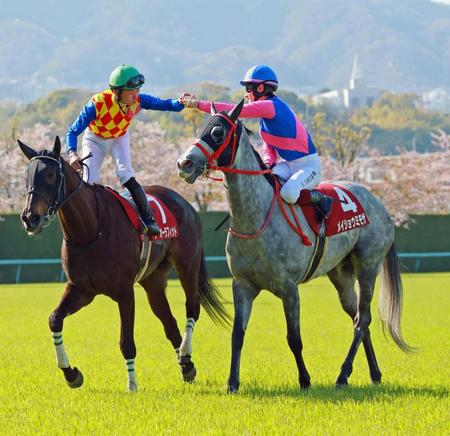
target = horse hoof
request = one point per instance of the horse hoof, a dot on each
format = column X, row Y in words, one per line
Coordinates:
column 74, row 378
column 376, row 378
column 342, row 381
column 187, row 367
column 132, row 387
column 232, row 389
column 305, row 385
column 189, row 376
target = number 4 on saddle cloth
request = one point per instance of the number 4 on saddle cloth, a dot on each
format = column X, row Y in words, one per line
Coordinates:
column 164, row 217
column 346, row 212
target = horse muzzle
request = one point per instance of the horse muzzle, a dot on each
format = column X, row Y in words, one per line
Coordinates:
column 188, row 170
column 32, row 222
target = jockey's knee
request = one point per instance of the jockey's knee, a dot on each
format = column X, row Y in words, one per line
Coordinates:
column 125, row 177
column 289, row 194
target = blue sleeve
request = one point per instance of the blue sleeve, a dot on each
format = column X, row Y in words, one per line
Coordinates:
column 87, row 115
column 158, row 104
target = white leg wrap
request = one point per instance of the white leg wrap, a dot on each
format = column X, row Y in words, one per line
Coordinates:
column 132, row 381
column 61, row 357
column 186, row 343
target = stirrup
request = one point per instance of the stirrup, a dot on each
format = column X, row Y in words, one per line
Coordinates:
column 151, row 228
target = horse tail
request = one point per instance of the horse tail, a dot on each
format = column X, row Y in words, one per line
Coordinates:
column 390, row 301
column 211, row 298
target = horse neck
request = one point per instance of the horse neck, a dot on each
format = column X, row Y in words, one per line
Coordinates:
column 79, row 216
column 249, row 196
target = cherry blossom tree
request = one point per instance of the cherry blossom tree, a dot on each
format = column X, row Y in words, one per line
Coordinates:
column 407, row 183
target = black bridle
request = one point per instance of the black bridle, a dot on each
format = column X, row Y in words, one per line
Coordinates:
column 58, row 197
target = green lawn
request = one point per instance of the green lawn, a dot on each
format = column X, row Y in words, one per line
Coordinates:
column 412, row 399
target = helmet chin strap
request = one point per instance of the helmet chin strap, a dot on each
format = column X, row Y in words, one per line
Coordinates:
column 257, row 94
column 119, row 99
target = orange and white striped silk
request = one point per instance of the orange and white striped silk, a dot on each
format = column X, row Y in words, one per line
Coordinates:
column 111, row 121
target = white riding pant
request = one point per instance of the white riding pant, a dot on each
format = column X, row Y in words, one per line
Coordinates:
column 118, row 148
column 302, row 173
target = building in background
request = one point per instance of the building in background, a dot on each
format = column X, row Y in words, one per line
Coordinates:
column 356, row 96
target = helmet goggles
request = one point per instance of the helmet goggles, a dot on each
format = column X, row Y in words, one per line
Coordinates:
column 135, row 82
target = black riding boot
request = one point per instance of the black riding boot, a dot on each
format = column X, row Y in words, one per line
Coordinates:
column 322, row 202
column 139, row 197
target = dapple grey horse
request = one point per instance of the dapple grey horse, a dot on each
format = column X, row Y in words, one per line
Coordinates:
column 277, row 260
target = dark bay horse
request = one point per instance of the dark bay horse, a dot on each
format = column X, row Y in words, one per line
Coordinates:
column 100, row 255
column 268, row 255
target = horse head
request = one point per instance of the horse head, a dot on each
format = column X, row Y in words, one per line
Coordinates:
column 45, row 186
column 215, row 147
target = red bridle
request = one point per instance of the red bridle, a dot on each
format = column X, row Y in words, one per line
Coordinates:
column 231, row 136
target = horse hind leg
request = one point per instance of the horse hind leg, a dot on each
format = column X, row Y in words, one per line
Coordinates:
column 72, row 301
column 343, row 278
column 188, row 269
column 155, row 286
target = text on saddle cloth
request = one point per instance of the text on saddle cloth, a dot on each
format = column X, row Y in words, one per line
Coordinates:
column 163, row 215
column 347, row 213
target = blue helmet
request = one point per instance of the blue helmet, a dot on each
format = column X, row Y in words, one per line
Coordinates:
column 260, row 74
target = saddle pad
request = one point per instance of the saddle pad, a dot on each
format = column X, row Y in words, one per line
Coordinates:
column 163, row 216
column 346, row 212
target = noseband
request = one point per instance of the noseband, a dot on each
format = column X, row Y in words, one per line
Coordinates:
column 58, row 198
column 212, row 157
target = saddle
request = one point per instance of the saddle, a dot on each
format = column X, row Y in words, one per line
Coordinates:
column 164, row 217
column 346, row 214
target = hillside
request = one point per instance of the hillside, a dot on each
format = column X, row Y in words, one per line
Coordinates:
column 401, row 45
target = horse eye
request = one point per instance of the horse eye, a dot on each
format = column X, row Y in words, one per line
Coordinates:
column 51, row 177
column 217, row 132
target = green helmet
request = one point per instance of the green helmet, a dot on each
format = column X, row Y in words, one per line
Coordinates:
column 126, row 77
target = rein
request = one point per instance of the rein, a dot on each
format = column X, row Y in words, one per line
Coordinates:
column 261, row 229
column 212, row 158
column 59, row 198
column 297, row 228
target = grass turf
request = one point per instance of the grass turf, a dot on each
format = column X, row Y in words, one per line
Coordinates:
column 412, row 399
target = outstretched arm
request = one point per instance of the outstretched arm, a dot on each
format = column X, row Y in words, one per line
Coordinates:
column 255, row 109
column 158, row 104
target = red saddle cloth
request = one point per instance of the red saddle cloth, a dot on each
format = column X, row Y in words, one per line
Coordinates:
column 346, row 213
column 163, row 216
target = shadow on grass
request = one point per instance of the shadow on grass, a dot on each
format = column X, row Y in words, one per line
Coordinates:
column 329, row 393
column 319, row 392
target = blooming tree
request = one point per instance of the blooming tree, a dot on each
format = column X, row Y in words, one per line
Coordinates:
column 407, row 183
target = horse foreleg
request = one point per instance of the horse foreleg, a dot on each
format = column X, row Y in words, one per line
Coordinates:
column 72, row 301
column 291, row 306
column 127, row 345
column 243, row 297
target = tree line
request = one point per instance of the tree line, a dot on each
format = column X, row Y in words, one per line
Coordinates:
column 372, row 145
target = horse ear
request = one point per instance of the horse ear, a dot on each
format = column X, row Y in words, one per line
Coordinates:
column 213, row 108
column 57, row 147
column 234, row 113
column 27, row 151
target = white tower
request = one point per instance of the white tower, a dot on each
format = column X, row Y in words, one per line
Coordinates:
column 356, row 73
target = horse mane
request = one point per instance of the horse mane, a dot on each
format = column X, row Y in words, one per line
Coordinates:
column 269, row 177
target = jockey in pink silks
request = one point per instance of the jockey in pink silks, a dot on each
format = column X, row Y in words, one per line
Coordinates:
column 288, row 147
